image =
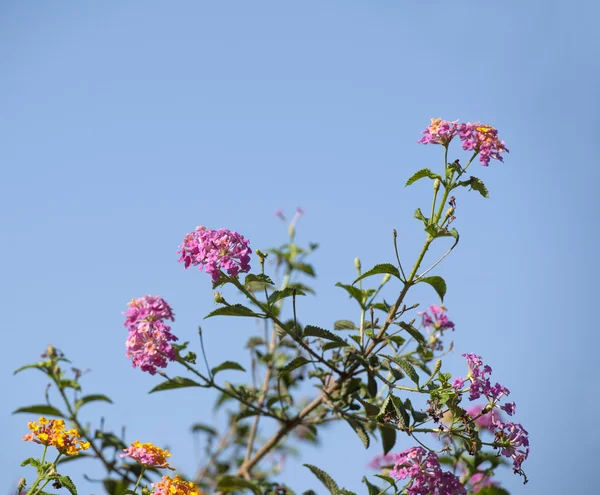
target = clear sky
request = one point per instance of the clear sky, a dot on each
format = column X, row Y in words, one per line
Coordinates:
column 125, row 124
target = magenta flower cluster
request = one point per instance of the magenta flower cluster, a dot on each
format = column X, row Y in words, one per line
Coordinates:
column 425, row 473
column 510, row 438
column 435, row 318
column 216, row 251
column 148, row 339
column 477, row 137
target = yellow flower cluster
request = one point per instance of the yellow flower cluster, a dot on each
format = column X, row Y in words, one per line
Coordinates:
column 174, row 486
column 51, row 432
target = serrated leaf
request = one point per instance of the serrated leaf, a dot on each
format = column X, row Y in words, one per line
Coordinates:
column 281, row 294
column 44, row 409
column 388, row 438
column 408, row 369
column 400, row 410
column 344, row 325
column 424, row 172
column 234, row 310
column 232, row 483
column 227, row 365
column 257, row 282
column 173, row 383
column 360, row 431
column 379, row 269
column 414, row 333
column 86, row 399
column 354, row 292
column 334, row 345
column 303, row 287
column 476, row 185
column 294, row 364
column 438, row 284
column 68, row 484
column 324, row 478
column 312, row 331
column 370, row 409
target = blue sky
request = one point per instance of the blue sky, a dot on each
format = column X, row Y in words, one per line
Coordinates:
column 126, row 124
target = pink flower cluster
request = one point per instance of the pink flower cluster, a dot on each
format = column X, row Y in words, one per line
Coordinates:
column 479, row 481
column 148, row 339
column 436, row 318
column 427, row 477
column 481, row 138
column 216, row 250
column 148, row 454
column 511, row 438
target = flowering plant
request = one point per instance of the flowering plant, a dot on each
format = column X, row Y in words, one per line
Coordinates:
column 381, row 373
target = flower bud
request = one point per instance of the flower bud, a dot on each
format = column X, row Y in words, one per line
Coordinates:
column 51, row 351
column 450, row 212
column 219, row 299
column 386, row 278
column 261, row 255
column 22, row 484
column 357, row 264
column 436, row 185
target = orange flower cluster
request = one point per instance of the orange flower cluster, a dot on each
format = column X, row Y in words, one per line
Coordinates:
column 174, row 486
column 51, row 432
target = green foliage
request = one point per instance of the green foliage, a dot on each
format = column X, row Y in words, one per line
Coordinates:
column 382, row 268
column 234, row 310
column 173, row 383
column 227, row 365
column 43, row 409
column 324, row 478
column 312, row 331
column 424, row 172
column 438, row 284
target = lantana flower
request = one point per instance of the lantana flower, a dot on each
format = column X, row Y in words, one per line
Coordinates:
column 425, row 473
column 216, row 250
column 148, row 342
column 148, row 454
column 52, row 432
column 477, row 137
column 174, row 486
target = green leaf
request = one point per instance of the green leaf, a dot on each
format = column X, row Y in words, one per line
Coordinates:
column 389, row 479
column 360, row 431
column 419, row 216
column 303, row 287
column 334, row 345
column 294, row 364
column 68, row 484
column 31, row 462
column 344, row 325
column 378, row 269
column 173, row 383
column 227, row 365
column 28, row 366
column 414, row 333
column 324, row 478
column 373, row 490
column 388, row 438
column 44, row 409
column 407, row 367
column 86, row 399
column 311, row 331
column 234, row 310
column 492, row 490
column 476, row 185
column 438, row 284
column 370, row 409
column 400, row 410
column 287, row 292
column 354, row 292
column 425, row 172
column 257, row 282
column 205, row 428
column 304, row 267
column 232, row 483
